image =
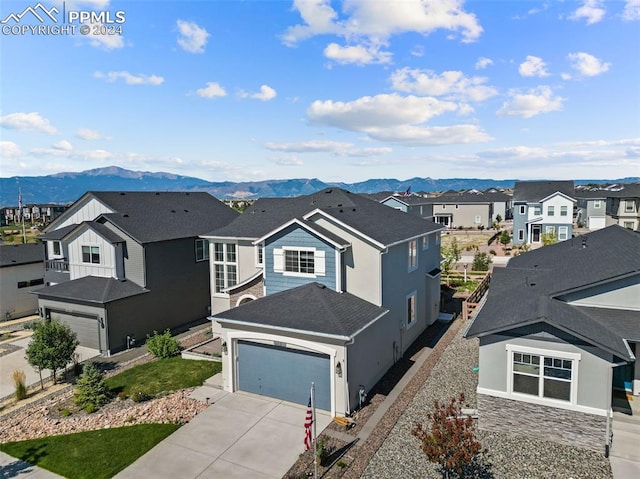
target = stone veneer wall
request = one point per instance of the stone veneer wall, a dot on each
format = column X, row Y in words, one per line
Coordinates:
column 573, row 428
column 254, row 288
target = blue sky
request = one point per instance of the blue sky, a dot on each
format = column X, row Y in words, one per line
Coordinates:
column 254, row 90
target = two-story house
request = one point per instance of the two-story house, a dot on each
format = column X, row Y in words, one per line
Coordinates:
column 542, row 208
column 617, row 204
column 329, row 288
column 558, row 333
column 119, row 265
column 412, row 204
column 21, row 272
column 471, row 208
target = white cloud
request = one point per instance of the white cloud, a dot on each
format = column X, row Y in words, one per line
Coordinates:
column 367, row 152
column 192, row 38
column 129, row 78
column 27, row 121
column 380, row 20
column 517, row 152
column 357, row 54
column 592, row 11
column 266, row 93
column 483, row 62
column 63, row 145
column 395, row 119
column 587, row 65
column 631, row 11
column 211, row 90
column 290, row 160
column 531, row 103
column 533, row 67
column 87, row 134
column 311, row 146
column 8, row 149
column 417, row 51
column 450, row 84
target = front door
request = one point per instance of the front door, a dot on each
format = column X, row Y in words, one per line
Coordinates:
column 535, row 233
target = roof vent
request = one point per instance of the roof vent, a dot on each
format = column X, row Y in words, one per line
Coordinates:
column 186, row 211
column 122, row 194
column 341, row 211
column 125, row 216
column 584, row 242
column 328, row 191
column 353, row 209
column 173, row 211
column 321, row 286
column 157, row 194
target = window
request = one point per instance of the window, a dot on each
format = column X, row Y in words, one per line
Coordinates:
column 225, row 269
column 597, row 204
column 542, row 376
column 413, row 255
column 259, row 255
column 563, row 211
column 91, row 254
column 628, row 206
column 296, row 261
column 202, row 250
column 57, row 251
column 425, row 242
column 628, row 224
column 411, row 309
column 550, row 230
column 523, row 209
column 537, row 210
column 521, row 235
column 551, row 210
column 478, row 219
column 563, row 233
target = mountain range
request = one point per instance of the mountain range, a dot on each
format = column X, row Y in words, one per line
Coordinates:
column 67, row 187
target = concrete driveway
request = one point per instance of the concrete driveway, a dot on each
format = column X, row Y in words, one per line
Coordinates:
column 16, row 361
column 239, row 436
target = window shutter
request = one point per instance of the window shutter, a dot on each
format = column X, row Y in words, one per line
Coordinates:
column 278, row 263
column 318, row 259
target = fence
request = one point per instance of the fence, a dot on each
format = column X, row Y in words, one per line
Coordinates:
column 470, row 304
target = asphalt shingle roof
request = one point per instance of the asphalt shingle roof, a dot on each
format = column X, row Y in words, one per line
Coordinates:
column 375, row 220
column 534, row 191
column 470, row 196
column 92, row 289
column 311, row 308
column 531, row 289
column 14, row 255
column 102, row 230
column 58, row 234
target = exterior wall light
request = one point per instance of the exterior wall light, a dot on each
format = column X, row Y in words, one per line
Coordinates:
column 339, row 369
column 224, row 347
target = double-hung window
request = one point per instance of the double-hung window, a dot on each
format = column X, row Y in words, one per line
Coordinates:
column 57, row 250
column 563, row 233
column 202, row 250
column 225, row 268
column 299, row 261
column 296, row 261
column 413, row 254
column 551, row 210
column 425, row 242
column 564, row 211
column 545, row 375
column 91, row 254
column 628, row 206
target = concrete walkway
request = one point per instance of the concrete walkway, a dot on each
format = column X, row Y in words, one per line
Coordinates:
column 12, row 467
column 238, row 436
column 625, row 451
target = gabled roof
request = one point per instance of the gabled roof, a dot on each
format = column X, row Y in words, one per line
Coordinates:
column 623, row 190
column 318, row 230
column 311, row 309
column 534, row 191
column 372, row 219
column 409, row 200
column 469, row 197
column 99, row 229
column 531, row 289
column 92, row 289
column 57, row 235
column 149, row 216
column 17, row 254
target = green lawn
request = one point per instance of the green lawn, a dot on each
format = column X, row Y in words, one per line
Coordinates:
column 163, row 375
column 93, row 454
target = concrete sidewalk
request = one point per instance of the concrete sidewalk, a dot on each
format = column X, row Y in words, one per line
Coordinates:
column 238, row 436
column 12, row 467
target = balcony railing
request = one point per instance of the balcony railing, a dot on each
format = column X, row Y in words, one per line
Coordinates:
column 57, row 265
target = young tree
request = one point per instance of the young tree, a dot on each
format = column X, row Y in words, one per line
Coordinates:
column 52, row 346
column 481, row 262
column 549, row 238
column 505, row 239
column 449, row 440
column 91, row 390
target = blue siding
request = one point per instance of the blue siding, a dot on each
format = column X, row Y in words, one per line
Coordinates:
column 393, row 203
column 519, row 223
column 295, row 236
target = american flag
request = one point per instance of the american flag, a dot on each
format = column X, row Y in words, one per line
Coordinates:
column 308, row 422
column 408, row 192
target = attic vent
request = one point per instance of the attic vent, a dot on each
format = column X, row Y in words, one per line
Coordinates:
column 122, row 194
column 125, row 216
column 173, row 211
column 328, row 191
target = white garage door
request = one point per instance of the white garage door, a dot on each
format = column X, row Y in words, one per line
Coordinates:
column 85, row 326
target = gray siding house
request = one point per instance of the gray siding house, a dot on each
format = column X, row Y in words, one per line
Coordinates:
column 21, row 272
column 120, row 265
column 339, row 287
column 559, row 335
column 617, row 204
column 542, row 208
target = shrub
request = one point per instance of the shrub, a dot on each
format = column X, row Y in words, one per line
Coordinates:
column 19, row 379
column 163, row 345
column 481, row 262
column 90, row 408
column 65, row 413
column 91, row 391
column 122, row 395
column 140, row 396
column 492, row 251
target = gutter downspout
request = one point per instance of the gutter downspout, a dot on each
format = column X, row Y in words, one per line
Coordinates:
column 607, row 443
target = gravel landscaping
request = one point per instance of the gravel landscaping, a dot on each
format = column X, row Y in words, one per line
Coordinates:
column 504, row 456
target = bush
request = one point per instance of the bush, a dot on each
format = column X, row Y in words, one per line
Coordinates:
column 163, row 345
column 140, row 396
column 481, row 262
column 492, row 251
column 19, row 379
column 91, row 391
column 65, row 413
column 122, row 395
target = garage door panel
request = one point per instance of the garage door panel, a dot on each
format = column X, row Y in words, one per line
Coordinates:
column 284, row 373
column 86, row 327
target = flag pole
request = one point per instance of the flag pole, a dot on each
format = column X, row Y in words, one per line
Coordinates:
column 315, row 441
column 21, row 210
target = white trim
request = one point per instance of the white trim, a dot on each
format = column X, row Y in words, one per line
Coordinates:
column 414, row 266
column 245, row 296
column 558, row 193
column 232, row 341
column 414, row 294
column 344, row 225
column 223, row 320
column 574, row 357
column 258, row 247
column 304, row 226
column 535, row 400
column 338, row 271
